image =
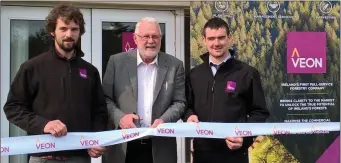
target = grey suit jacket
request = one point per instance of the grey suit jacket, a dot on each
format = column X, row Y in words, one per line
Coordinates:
column 120, row 88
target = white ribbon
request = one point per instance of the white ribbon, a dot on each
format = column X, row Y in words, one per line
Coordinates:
column 78, row 140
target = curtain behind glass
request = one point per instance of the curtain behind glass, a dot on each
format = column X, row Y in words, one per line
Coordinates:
column 28, row 39
column 19, row 54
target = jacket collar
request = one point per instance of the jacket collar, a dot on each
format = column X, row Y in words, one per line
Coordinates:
column 77, row 53
column 205, row 56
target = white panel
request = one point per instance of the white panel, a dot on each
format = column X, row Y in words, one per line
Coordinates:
column 86, row 38
column 180, row 54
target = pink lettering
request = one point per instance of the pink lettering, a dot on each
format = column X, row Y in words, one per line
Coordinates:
column 281, row 132
column 243, row 133
column 4, row 149
column 131, row 135
column 165, row 131
column 204, row 132
column 89, row 142
column 46, row 146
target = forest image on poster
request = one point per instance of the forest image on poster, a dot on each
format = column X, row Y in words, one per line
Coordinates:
column 259, row 36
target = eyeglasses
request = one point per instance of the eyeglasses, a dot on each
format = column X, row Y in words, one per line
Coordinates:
column 146, row 38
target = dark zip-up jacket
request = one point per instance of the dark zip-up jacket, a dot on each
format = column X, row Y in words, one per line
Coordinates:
column 49, row 87
column 233, row 95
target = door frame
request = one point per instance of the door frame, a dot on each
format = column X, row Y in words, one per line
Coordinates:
column 9, row 13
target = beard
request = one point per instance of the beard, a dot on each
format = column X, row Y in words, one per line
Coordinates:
column 150, row 53
column 65, row 44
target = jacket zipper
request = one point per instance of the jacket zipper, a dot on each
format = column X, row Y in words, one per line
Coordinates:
column 212, row 105
column 68, row 63
column 69, row 82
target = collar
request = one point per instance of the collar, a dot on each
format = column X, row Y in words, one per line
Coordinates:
column 77, row 52
column 63, row 57
column 139, row 59
column 226, row 58
column 205, row 57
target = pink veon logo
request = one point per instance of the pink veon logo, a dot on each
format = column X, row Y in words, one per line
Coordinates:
column 88, row 143
column 231, row 86
column 41, row 145
column 129, row 136
column 83, row 73
column 203, row 132
column 128, row 42
column 306, row 52
column 127, row 47
column 280, row 132
column 242, row 132
column 165, row 131
column 315, row 130
column 4, row 149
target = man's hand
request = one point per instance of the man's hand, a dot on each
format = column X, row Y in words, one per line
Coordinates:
column 234, row 142
column 127, row 121
column 156, row 123
column 56, row 128
column 96, row 152
column 193, row 118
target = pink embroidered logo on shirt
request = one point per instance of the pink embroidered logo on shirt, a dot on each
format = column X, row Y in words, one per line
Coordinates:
column 231, row 86
column 83, row 73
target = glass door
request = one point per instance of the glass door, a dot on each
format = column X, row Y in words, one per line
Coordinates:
column 112, row 33
column 23, row 37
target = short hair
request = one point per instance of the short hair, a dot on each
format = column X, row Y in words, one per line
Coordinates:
column 216, row 23
column 147, row 19
column 68, row 13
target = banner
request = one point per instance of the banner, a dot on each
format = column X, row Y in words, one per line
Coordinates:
column 48, row 143
column 296, row 48
column 128, row 41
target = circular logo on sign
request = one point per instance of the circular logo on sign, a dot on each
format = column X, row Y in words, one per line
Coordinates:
column 273, row 6
column 325, row 7
column 221, row 6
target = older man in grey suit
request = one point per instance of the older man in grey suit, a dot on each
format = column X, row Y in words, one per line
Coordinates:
column 144, row 88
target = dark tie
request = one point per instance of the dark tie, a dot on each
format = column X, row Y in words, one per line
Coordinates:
column 215, row 65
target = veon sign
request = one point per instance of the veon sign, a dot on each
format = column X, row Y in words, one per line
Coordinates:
column 129, row 135
column 45, row 145
column 165, row 131
column 88, row 143
column 280, row 132
column 4, row 149
column 127, row 47
column 306, row 52
column 299, row 62
column 239, row 132
column 203, row 131
column 128, row 42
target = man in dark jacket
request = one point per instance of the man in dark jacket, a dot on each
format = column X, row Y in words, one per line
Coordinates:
column 223, row 89
column 59, row 92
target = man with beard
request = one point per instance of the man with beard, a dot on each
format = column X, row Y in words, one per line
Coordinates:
column 59, row 92
column 225, row 90
column 144, row 88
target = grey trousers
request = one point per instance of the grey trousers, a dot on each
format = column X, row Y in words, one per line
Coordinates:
column 70, row 160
